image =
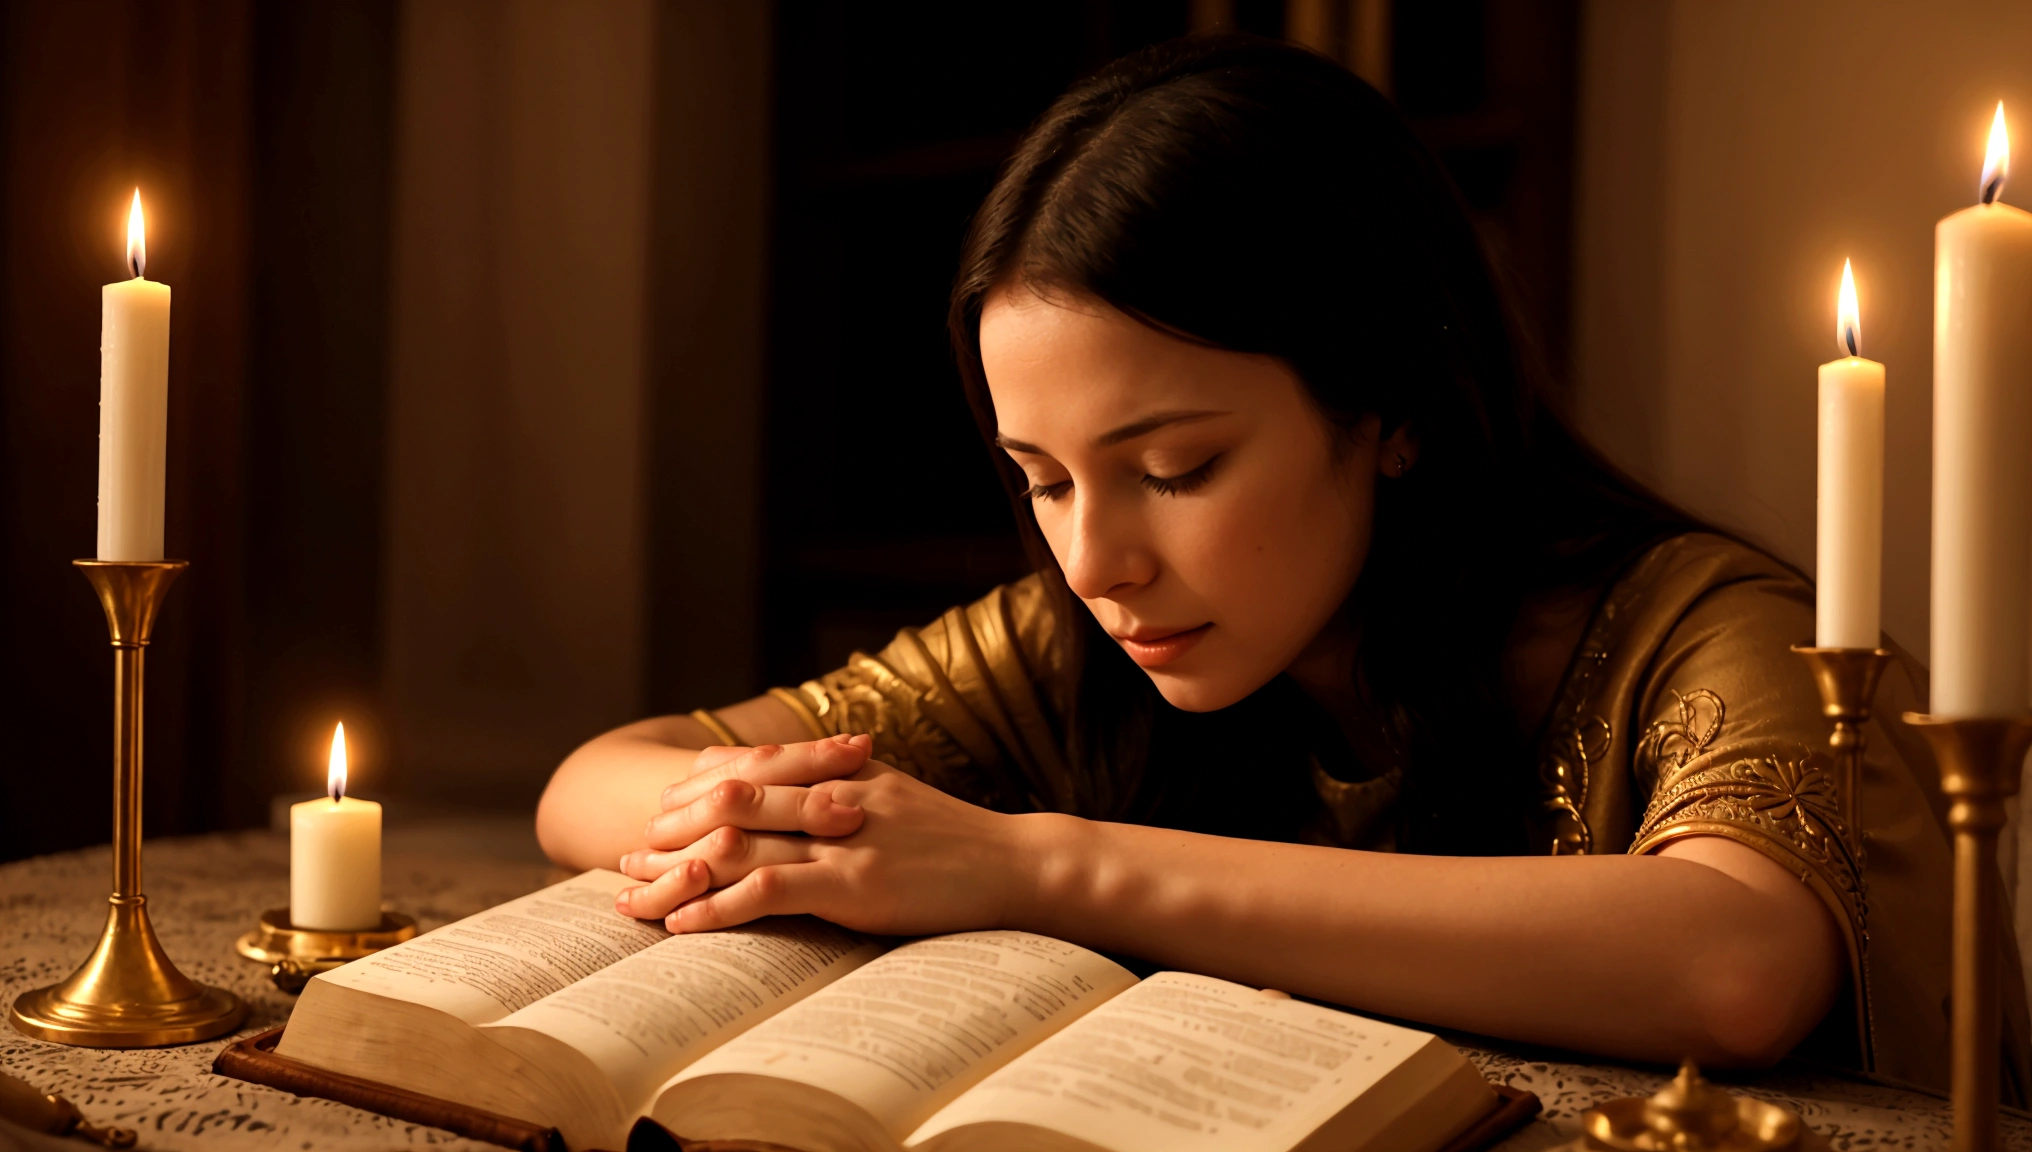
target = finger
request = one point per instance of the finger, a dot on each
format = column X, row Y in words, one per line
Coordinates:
column 856, row 790
column 767, row 808
column 804, row 763
column 770, row 890
column 651, row 901
column 714, row 756
column 723, row 858
column 815, row 811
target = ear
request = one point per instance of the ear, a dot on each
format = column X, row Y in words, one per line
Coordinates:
column 1398, row 453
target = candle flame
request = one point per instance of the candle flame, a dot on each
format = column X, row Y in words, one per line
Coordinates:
column 1997, row 161
column 1848, row 319
column 335, row 776
column 137, row 238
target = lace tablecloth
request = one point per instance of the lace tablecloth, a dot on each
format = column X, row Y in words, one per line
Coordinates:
column 205, row 891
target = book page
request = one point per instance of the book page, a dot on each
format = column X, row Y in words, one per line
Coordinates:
column 644, row 1018
column 490, row 964
column 905, row 1033
column 1189, row 1062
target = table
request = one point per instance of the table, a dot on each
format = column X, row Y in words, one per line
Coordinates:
column 205, row 891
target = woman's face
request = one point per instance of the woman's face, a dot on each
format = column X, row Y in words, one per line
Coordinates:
column 1195, row 498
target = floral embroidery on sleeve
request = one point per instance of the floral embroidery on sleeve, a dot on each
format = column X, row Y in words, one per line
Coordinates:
column 1792, row 803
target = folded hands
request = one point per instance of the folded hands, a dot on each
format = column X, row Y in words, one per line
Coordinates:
column 819, row 827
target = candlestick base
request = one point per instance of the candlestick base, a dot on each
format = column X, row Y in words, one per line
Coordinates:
column 128, row 994
column 277, row 940
column 1980, row 759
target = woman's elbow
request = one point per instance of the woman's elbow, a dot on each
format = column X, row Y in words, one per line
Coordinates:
column 564, row 813
column 551, row 829
column 1767, row 996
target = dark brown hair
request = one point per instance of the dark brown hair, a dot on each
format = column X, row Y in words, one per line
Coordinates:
column 1256, row 197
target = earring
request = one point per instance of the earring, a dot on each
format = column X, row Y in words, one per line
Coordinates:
column 1403, row 465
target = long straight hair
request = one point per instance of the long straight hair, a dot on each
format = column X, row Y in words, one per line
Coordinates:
column 1255, row 197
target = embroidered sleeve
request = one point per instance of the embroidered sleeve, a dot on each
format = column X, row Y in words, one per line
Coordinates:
column 1733, row 744
column 963, row 703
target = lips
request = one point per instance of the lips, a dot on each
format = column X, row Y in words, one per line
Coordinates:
column 1154, row 648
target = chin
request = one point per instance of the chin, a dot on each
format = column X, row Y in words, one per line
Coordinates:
column 1202, row 693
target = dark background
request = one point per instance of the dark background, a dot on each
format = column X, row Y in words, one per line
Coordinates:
column 264, row 133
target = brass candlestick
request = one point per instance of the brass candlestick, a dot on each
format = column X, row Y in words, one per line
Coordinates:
column 1847, row 679
column 1979, row 764
column 128, row 994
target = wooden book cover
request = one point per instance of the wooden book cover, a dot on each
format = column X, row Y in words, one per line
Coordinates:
column 255, row 1061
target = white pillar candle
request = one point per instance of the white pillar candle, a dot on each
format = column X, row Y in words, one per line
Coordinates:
column 335, row 855
column 133, row 406
column 1982, row 452
column 1849, row 553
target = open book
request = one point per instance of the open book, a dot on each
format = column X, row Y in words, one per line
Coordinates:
column 556, row 1010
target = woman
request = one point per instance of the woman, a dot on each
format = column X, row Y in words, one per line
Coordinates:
column 1346, row 669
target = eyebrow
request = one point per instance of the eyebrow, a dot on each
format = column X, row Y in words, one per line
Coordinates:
column 1126, row 432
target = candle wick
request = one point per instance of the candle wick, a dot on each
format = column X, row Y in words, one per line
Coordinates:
column 134, row 265
column 1992, row 188
column 1849, row 335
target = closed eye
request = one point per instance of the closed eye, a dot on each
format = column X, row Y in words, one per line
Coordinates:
column 1048, row 491
column 1184, row 482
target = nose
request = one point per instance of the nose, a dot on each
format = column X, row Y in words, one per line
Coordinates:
column 1107, row 553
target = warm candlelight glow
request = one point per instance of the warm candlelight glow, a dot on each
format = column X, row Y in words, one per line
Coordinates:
column 335, row 776
column 1997, row 161
column 1848, row 321
column 137, row 238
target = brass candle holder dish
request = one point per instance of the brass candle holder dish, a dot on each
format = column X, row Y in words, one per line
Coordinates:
column 296, row 954
column 1980, row 759
column 1691, row 1115
column 128, row 994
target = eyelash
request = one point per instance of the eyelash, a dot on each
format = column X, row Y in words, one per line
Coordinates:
column 1177, row 485
column 1184, row 482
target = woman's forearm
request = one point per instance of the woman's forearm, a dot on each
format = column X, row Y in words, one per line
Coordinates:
column 600, row 799
column 1649, row 957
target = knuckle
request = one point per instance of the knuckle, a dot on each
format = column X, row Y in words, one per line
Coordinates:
column 767, row 883
column 727, row 843
column 733, row 795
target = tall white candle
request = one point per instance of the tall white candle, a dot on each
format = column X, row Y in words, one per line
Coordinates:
column 335, row 855
column 1849, row 555
column 1982, row 452
column 133, row 406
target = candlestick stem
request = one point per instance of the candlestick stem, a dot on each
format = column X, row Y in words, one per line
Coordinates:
column 1979, row 763
column 128, row 994
column 1847, row 679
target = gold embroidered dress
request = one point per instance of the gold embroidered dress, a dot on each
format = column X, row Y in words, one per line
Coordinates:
column 1681, row 714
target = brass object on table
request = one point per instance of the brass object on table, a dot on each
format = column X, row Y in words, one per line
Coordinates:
column 292, row 976
column 1691, row 1115
column 128, row 994
column 22, row 1104
column 296, row 954
column 1980, row 759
